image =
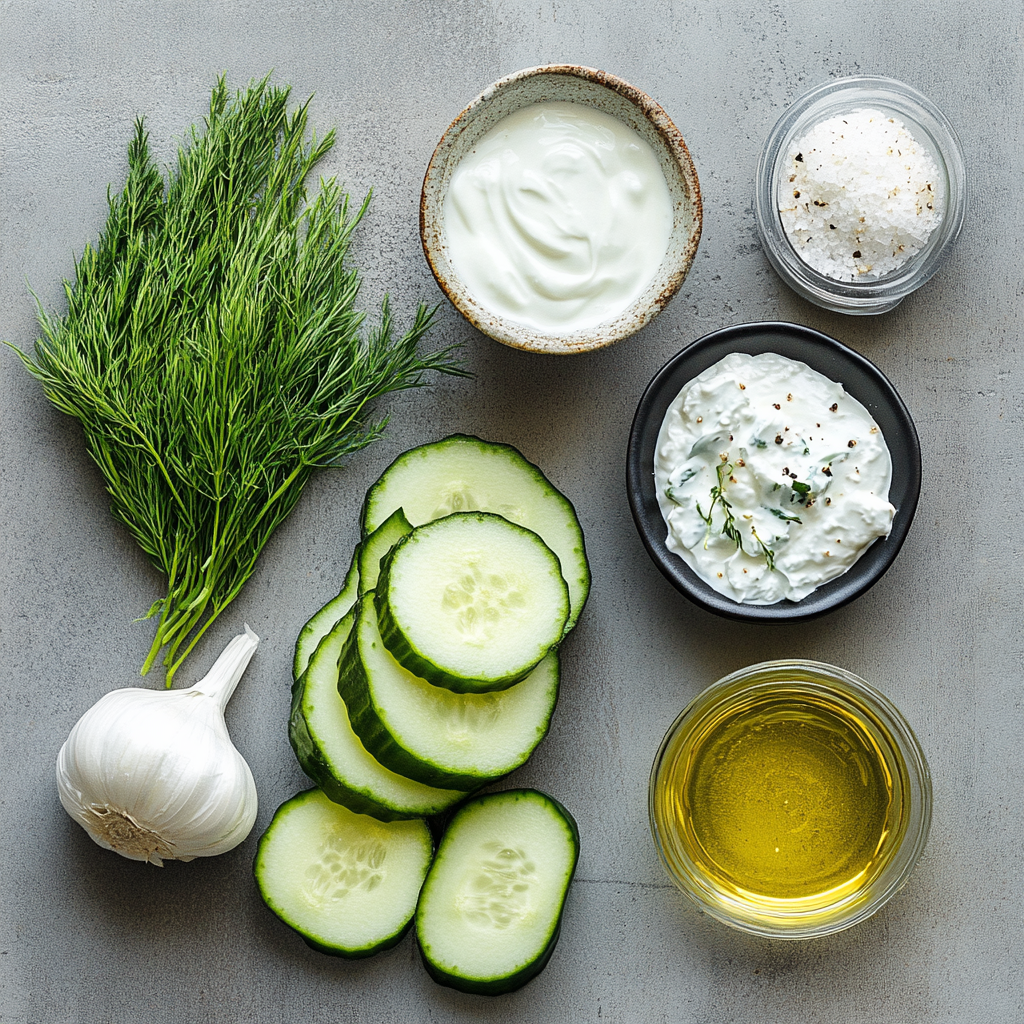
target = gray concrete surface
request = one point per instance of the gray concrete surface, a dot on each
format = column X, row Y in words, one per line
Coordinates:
column 86, row 936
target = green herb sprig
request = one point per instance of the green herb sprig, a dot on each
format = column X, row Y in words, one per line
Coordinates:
column 723, row 470
column 213, row 352
column 729, row 527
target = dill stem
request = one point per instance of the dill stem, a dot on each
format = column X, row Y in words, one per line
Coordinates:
column 195, row 639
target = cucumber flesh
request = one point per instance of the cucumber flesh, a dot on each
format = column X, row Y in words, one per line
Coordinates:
column 465, row 474
column 361, row 576
column 346, row 882
column 490, row 910
column 471, row 602
column 424, row 732
column 377, row 545
column 332, row 755
column 326, row 619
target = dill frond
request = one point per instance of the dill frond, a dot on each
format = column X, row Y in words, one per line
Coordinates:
column 213, row 352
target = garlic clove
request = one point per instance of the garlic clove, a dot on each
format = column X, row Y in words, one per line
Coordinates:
column 153, row 774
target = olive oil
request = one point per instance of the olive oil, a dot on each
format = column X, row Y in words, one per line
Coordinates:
column 783, row 800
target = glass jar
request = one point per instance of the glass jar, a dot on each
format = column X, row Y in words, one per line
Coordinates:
column 790, row 800
column 930, row 129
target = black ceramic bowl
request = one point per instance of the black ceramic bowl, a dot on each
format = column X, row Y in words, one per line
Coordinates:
column 861, row 379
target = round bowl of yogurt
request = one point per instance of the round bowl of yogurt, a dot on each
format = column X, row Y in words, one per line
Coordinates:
column 561, row 210
column 773, row 473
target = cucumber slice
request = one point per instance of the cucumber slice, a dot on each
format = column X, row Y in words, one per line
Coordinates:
column 490, row 911
column 361, row 576
column 377, row 545
column 424, row 732
column 346, row 882
column 327, row 618
column 471, row 602
column 331, row 754
column 465, row 474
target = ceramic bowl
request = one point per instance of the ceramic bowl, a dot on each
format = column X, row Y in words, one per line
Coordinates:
column 861, row 379
column 612, row 96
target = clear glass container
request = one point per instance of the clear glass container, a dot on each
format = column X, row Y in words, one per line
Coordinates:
column 929, row 127
column 790, row 800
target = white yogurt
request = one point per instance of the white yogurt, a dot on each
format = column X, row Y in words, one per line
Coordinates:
column 791, row 471
column 558, row 218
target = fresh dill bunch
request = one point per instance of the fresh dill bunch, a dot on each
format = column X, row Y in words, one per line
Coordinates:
column 213, row 352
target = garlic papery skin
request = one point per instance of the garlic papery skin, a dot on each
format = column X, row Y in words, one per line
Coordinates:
column 153, row 774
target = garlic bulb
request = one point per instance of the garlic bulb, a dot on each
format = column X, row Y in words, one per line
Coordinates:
column 153, row 774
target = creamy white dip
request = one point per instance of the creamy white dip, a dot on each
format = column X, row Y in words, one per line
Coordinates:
column 558, row 218
column 771, row 478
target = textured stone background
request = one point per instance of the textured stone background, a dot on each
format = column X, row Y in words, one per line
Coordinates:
column 86, row 936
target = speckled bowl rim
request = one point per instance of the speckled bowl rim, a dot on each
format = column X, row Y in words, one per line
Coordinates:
column 861, row 379
column 682, row 243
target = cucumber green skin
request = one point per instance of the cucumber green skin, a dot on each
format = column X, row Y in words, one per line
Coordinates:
column 315, row 766
column 318, row 764
column 410, row 658
column 347, row 954
column 353, row 954
column 393, row 530
column 354, row 688
column 361, row 576
column 501, row 986
column 326, row 618
column 498, row 986
column 369, row 514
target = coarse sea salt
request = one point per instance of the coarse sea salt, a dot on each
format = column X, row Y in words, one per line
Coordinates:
column 858, row 196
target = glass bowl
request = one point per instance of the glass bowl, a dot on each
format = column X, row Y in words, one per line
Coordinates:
column 790, row 800
column 929, row 127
